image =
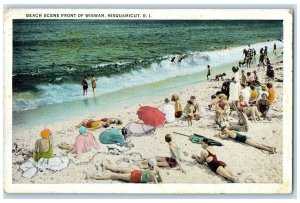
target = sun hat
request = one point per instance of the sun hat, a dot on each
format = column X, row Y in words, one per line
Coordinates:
column 152, row 162
column 82, row 130
column 46, row 133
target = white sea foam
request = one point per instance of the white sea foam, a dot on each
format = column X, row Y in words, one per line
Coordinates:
column 193, row 63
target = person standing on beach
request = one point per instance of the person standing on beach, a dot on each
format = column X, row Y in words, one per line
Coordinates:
column 208, row 72
column 84, row 87
column 274, row 49
column 93, row 80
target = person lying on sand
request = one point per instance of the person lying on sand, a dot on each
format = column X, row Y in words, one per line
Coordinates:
column 83, row 143
column 236, row 136
column 151, row 175
column 93, row 124
column 208, row 155
column 104, row 122
column 172, row 161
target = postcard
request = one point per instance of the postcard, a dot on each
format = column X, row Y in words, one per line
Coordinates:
column 148, row 101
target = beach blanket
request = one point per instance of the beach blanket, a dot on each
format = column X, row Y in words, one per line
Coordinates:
column 198, row 139
column 30, row 168
column 112, row 136
column 139, row 129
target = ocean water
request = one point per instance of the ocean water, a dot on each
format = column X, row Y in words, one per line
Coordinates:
column 51, row 57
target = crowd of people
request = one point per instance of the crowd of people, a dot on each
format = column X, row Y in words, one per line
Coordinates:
column 242, row 93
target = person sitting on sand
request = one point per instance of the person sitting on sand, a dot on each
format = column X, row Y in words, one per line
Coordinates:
column 270, row 74
column 245, row 92
column 208, row 155
column 196, row 106
column 225, row 89
column 177, row 106
column 253, row 95
column 213, row 102
column 169, row 111
column 250, row 79
column 238, row 137
column 83, row 143
column 189, row 112
column 234, row 92
column 43, row 146
column 174, row 160
column 250, row 111
column 243, row 81
column 271, row 96
column 242, row 124
column 222, row 109
column 151, row 175
column 263, row 106
column 219, row 76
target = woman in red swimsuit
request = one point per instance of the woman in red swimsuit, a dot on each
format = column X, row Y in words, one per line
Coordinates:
column 209, row 156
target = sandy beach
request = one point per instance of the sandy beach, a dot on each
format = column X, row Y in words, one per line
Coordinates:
column 251, row 164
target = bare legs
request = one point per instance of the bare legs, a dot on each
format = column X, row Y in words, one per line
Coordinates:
column 113, row 176
column 117, row 174
column 65, row 146
column 226, row 173
column 252, row 143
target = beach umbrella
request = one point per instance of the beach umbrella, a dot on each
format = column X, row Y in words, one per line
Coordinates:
column 138, row 129
column 151, row 116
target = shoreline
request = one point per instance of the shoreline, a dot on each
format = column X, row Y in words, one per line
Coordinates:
column 157, row 74
column 260, row 167
column 102, row 104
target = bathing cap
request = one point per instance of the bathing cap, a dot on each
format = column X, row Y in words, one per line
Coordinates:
column 82, row 130
column 152, row 162
column 45, row 133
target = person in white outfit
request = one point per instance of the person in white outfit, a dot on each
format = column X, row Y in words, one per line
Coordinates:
column 245, row 92
column 234, row 91
column 169, row 111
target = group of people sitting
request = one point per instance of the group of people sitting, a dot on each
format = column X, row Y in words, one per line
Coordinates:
column 173, row 109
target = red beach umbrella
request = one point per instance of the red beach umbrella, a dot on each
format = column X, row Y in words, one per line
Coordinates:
column 151, row 116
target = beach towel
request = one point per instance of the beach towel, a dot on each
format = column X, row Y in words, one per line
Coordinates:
column 138, row 129
column 198, row 139
column 30, row 168
column 112, row 136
